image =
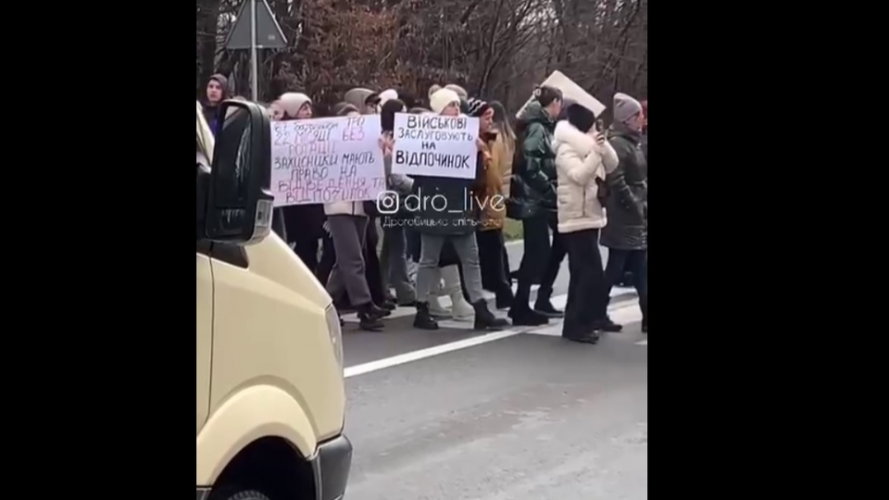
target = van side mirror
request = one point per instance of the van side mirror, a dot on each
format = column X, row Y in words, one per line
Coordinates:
column 239, row 202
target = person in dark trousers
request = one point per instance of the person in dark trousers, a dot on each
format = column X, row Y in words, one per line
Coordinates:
column 583, row 157
column 303, row 222
column 491, row 242
column 533, row 199
column 626, row 235
column 627, row 278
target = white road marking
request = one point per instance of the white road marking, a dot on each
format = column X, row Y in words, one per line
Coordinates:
column 380, row 364
column 408, row 357
column 642, row 342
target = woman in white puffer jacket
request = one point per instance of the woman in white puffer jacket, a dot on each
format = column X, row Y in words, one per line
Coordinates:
column 583, row 158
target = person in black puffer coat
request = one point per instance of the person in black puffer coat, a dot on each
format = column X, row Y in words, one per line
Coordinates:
column 626, row 235
column 533, row 201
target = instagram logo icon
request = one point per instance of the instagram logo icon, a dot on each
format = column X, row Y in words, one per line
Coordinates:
column 387, row 202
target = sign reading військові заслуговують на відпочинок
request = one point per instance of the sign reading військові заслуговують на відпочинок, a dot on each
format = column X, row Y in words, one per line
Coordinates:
column 435, row 146
column 325, row 160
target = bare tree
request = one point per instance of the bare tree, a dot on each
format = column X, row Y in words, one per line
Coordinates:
column 499, row 49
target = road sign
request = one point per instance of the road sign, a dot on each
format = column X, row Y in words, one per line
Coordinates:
column 268, row 32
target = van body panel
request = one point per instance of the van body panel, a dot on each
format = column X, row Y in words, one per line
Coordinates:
column 269, row 327
column 274, row 259
column 250, row 414
column 204, row 336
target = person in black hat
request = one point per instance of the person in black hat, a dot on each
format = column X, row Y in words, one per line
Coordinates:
column 583, row 159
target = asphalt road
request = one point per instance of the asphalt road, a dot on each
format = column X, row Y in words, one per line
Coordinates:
column 515, row 415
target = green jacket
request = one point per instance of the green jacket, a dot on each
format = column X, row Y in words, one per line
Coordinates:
column 534, row 180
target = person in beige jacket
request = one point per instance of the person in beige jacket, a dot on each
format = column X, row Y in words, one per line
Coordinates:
column 583, row 158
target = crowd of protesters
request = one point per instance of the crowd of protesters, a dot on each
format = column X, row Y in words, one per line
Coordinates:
column 572, row 184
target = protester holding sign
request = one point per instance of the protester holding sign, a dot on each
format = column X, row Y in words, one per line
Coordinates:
column 347, row 222
column 444, row 212
column 302, row 222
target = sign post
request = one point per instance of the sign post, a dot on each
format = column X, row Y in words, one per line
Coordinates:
column 255, row 28
column 254, row 65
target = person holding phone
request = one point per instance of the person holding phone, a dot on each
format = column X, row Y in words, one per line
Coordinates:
column 583, row 159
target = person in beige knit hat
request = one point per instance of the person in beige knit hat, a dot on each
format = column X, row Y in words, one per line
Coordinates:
column 296, row 105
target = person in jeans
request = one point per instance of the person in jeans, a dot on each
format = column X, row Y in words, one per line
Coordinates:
column 534, row 200
column 583, row 157
column 626, row 235
column 455, row 224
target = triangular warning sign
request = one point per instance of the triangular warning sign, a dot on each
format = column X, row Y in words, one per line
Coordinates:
column 268, row 32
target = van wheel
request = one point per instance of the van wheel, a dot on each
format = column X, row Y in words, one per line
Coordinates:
column 237, row 494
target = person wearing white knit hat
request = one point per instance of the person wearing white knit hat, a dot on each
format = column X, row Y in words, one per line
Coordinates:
column 442, row 215
column 445, row 102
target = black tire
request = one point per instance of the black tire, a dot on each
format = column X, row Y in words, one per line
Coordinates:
column 237, row 494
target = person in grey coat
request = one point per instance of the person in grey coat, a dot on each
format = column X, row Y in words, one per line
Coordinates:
column 626, row 234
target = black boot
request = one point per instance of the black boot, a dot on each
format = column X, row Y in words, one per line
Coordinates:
column 485, row 319
column 545, row 307
column 370, row 317
column 606, row 325
column 375, row 310
column 583, row 338
column 369, row 323
column 504, row 299
column 423, row 320
column 521, row 313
